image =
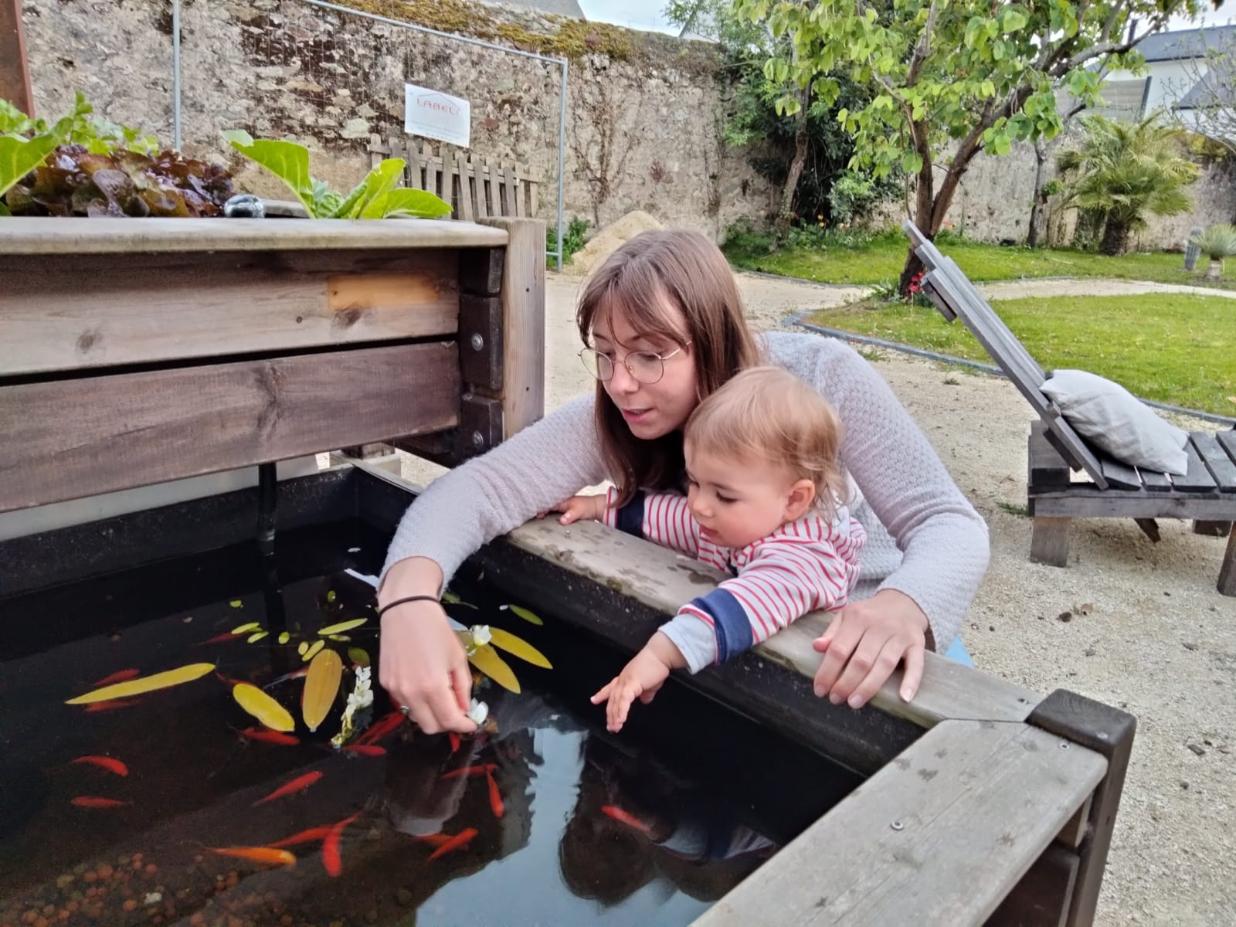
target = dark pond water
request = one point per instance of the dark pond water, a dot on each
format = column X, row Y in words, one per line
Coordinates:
column 578, row 826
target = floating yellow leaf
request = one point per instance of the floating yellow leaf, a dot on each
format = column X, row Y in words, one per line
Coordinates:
column 530, row 617
column 236, row 603
column 451, row 599
column 341, row 627
column 518, row 647
column 486, row 659
column 254, row 638
column 338, row 637
column 284, row 637
column 263, row 707
column 312, row 651
column 302, row 647
column 145, row 684
column 330, row 595
column 321, row 687
column 251, row 626
column 358, row 656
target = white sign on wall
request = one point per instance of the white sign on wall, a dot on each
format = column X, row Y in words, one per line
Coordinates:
column 433, row 114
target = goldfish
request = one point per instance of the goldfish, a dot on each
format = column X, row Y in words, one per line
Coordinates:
column 305, row 836
column 111, row 705
column 220, row 639
column 299, row 784
column 455, row 741
column 366, row 749
column 118, row 676
column 478, row 770
column 269, row 737
column 434, row 840
column 229, row 680
column 495, row 797
column 288, row 677
column 103, row 762
column 332, row 861
column 267, row 856
column 625, row 817
column 459, row 841
column 380, row 728
column 94, row 801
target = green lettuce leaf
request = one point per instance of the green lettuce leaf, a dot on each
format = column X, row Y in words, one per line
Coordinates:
column 405, row 202
column 377, row 182
column 286, row 160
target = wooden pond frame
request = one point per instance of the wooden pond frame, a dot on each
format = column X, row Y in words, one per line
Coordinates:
column 985, row 803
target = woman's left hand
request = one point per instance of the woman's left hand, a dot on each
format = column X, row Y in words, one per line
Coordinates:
column 865, row 643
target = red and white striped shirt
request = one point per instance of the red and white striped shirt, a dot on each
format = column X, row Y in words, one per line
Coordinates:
column 804, row 566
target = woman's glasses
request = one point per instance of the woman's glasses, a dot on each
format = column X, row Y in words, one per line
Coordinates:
column 645, row 367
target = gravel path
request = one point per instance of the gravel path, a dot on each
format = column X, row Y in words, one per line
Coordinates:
column 1145, row 628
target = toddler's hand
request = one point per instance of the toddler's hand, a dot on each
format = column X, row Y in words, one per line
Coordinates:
column 580, row 508
column 641, row 678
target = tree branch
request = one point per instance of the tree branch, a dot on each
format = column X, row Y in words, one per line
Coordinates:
column 923, row 48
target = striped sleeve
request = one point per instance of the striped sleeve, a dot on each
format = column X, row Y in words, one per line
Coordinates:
column 662, row 518
column 784, row 580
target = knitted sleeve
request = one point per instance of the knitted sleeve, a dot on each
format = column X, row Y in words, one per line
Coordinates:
column 490, row 495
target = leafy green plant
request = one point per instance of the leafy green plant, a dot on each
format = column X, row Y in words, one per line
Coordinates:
column 378, row 196
column 1217, row 243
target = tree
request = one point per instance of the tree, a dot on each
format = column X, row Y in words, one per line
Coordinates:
column 1124, row 170
column 951, row 79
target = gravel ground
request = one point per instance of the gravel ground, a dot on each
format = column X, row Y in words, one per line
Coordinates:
column 1129, row 622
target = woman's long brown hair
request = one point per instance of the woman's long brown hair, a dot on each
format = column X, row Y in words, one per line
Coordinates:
column 686, row 270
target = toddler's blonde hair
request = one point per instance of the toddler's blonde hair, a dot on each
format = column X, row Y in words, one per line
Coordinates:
column 767, row 413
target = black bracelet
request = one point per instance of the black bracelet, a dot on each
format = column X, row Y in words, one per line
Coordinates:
column 411, row 598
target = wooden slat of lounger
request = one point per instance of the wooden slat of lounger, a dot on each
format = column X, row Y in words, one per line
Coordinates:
column 1227, row 439
column 937, row 290
column 1155, row 482
column 1198, row 479
column 1120, row 475
column 1222, row 466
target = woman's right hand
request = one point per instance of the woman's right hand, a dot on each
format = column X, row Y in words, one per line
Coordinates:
column 421, row 663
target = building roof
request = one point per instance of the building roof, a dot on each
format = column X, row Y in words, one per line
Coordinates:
column 555, row 7
column 1187, row 43
column 1216, row 88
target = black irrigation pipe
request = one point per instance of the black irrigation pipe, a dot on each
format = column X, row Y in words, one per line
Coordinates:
column 797, row 319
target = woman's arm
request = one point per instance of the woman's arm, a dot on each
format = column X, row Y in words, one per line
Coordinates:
column 942, row 539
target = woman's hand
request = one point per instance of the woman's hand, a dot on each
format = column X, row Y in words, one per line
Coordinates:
column 580, row 508
column 864, row 644
column 422, row 664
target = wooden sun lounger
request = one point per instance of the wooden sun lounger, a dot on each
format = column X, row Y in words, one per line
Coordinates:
column 1206, row 494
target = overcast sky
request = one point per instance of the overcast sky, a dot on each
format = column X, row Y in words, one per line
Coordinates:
column 647, row 14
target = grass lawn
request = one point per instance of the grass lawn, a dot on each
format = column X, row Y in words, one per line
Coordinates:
column 880, row 258
column 1174, row 348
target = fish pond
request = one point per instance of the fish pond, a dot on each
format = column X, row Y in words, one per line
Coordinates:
column 158, row 764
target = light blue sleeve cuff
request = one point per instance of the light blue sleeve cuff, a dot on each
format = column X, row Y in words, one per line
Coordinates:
column 694, row 640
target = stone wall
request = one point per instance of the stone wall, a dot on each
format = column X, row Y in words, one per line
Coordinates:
column 643, row 117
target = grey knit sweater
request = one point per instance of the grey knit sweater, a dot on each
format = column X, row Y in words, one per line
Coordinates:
column 923, row 537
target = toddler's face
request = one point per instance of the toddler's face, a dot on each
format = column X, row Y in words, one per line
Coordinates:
column 738, row 500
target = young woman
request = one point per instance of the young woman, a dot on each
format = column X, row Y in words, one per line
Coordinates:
column 663, row 327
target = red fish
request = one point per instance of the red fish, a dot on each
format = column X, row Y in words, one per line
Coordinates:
column 481, row 769
column 94, row 801
column 332, row 861
column 229, row 680
column 118, row 676
column 495, row 797
column 111, row 705
column 380, row 728
column 434, row 840
column 222, row 638
column 455, row 740
column 366, row 749
column 299, row 784
column 625, row 817
column 104, row 762
column 270, row 856
column 305, row 836
column 459, row 841
column 269, row 737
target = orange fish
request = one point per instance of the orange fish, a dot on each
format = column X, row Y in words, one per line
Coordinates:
column 222, row 638
column 479, row 770
column 104, row 762
column 305, row 836
column 459, row 841
column 495, row 797
column 332, row 861
column 366, row 749
column 269, row 737
column 111, row 705
column 299, row 784
column 229, row 680
column 118, row 676
column 93, row 801
column 434, row 840
column 625, row 817
column 267, row 856
column 381, row 728
column 455, row 740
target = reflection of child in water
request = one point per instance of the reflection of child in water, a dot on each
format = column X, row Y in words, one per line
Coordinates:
column 617, row 841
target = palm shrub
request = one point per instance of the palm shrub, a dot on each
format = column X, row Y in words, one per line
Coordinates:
column 1124, row 171
column 1217, row 242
